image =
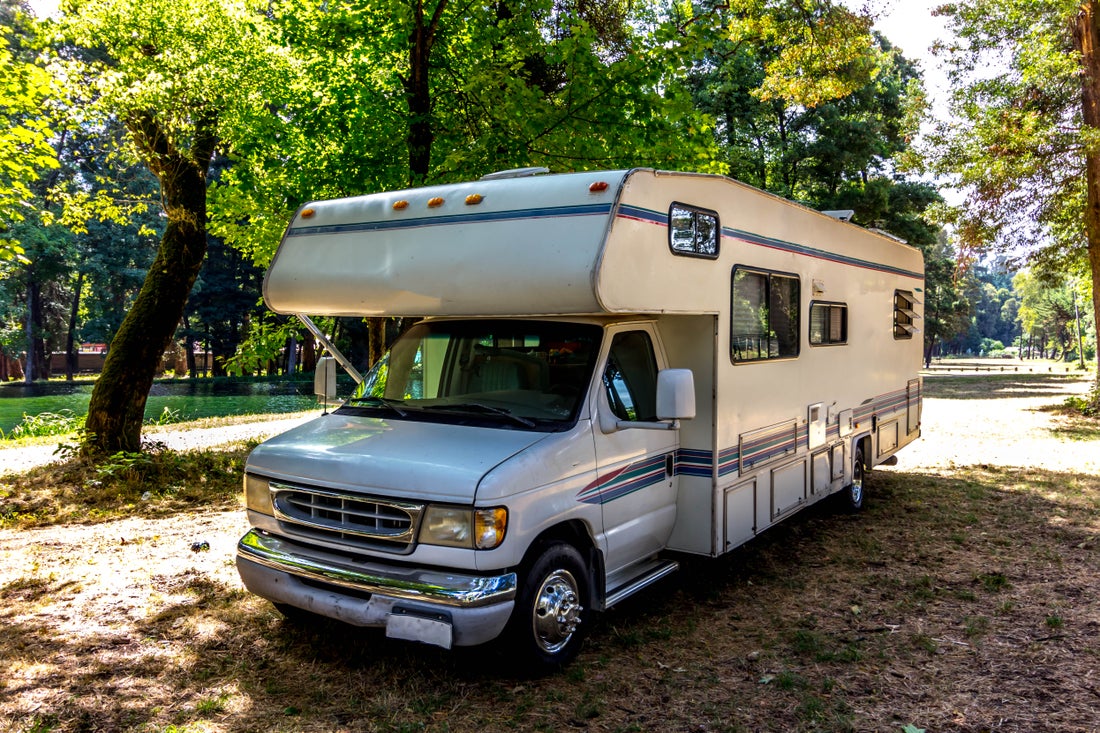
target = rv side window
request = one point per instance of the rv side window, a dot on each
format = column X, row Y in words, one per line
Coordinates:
column 905, row 316
column 693, row 232
column 828, row 324
column 763, row 315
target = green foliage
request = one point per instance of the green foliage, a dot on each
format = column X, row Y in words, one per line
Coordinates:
column 1017, row 140
column 25, row 150
column 1087, row 405
column 265, row 337
column 1016, row 85
column 44, row 424
column 1048, row 306
column 510, row 84
column 123, row 463
column 819, row 147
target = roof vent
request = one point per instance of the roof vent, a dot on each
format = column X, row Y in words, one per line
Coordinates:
column 842, row 214
column 515, row 173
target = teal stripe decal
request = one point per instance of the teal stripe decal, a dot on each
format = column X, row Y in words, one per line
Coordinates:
column 452, row 219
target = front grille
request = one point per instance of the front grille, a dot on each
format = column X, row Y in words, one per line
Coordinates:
column 353, row 518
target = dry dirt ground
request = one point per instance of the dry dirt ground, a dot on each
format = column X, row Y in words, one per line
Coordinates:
column 962, row 599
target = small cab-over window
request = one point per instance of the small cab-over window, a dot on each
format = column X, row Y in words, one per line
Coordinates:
column 905, row 317
column 692, row 231
column 828, row 324
column 763, row 315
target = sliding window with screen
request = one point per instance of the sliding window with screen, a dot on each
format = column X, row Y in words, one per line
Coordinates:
column 828, row 324
column 764, row 311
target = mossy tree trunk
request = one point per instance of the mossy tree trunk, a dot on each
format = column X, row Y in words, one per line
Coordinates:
column 117, row 406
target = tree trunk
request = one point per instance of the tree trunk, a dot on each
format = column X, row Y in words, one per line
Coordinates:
column 291, row 355
column 38, row 366
column 71, row 356
column 117, row 406
column 29, row 371
column 1087, row 39
column 418, row 90
column 309, row 354
column 189, row 350
column 376, row 330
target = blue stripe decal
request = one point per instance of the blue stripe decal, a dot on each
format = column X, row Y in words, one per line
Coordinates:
column 658, row 217
column 618, row 484
column 646, row 215
column 451, row 219
column 700, row 463
column 820, row 254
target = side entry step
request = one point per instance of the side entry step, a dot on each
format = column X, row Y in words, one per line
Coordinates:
column 649, row 575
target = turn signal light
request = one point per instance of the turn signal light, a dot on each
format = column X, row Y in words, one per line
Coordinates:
column 435, row 202
column 473, row 199
column 399, row 205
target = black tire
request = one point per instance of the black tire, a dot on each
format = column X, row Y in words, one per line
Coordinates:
column 854, row 493
column 552, row 612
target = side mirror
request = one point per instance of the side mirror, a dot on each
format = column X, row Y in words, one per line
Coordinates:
column 324, row 380
column 675, row 394
column 675, row 402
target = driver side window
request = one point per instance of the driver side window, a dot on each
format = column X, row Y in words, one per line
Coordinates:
column 630, row 378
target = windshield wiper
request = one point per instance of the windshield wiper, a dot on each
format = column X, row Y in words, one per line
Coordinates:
column 477, row 406
column 372, row 401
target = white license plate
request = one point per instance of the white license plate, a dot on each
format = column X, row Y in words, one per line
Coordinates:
column 418, row 628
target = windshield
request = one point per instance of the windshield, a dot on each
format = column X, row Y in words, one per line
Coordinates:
column 508, row 373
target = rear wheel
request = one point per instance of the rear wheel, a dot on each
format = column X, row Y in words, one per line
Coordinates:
column 853, row 493
column 552, row 610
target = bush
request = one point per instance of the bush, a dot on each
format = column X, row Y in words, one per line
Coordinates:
column 989, row 346
column 45, row 424
column 1087, row 405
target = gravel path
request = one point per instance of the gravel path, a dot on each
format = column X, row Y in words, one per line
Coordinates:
column 1017, row 430
column 15, row 460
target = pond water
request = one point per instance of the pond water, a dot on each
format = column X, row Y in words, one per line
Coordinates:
column 191, row 400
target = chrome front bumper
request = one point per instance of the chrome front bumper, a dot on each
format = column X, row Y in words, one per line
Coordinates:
column 432, row 606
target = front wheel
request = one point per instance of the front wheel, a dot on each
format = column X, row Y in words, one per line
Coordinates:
column 853, row 493
column 552, row 610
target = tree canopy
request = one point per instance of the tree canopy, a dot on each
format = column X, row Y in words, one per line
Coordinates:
column 196, row 126
column 182, row 77
column 25, row 149
column 1024, row 137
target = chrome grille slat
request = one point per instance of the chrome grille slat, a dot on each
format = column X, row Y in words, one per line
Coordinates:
column 339, row 516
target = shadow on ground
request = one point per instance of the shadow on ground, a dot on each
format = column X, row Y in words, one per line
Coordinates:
column 952, row 603
column 983, row 386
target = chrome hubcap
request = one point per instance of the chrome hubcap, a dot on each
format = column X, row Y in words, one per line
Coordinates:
column 557, row 611
column 856, row 489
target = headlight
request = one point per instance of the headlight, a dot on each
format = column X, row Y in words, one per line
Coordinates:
column 482, row 529
column 257, row 494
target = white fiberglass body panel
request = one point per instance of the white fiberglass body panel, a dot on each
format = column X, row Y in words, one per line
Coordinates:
column 527, row 245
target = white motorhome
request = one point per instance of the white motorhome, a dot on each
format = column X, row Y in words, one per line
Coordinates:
column 613, row 369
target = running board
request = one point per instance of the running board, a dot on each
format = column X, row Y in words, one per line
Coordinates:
column 650, row 575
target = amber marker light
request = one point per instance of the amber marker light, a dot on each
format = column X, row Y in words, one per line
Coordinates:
column 399, row 205
column 436, row 202
column 307, row 213
column 598, row 186
column 473, row 199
